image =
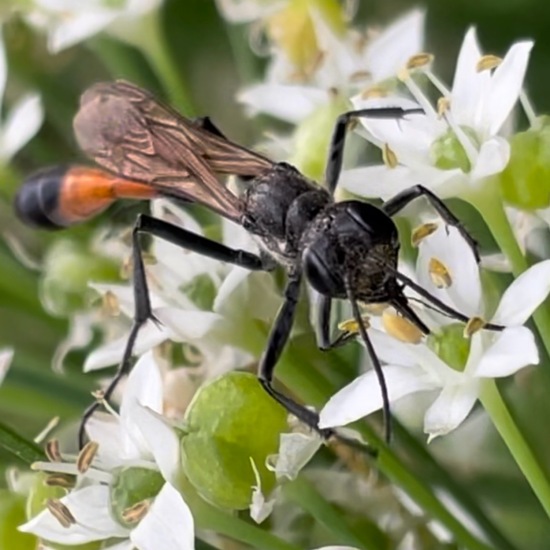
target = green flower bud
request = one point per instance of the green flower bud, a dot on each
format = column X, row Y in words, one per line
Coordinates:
column 448, row 153
column 68, row 268
column 229, row 422
column 525, row 182
column 312, row 138
column 129, row 487
column 451, row 346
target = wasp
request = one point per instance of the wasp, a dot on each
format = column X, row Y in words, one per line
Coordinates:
column 345, row 250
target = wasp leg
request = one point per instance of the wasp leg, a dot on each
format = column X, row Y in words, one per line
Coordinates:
column 276, row 343
column 180, row 237
column 337, row 143
column 401, row 200
column 322, row 327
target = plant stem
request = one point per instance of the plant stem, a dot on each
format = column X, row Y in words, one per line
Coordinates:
column 526, row 461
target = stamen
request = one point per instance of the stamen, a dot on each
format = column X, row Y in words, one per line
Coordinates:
column 443, row 105
column 110, row 304
column 400, row 328
column 405, row 76
column 60, row 512
column 52, row 450
column 374, row 92
column 528, row 108
column 439, row 274
column 66, row 481
column 359, row 76
column 423, row 231
column 86, row 456
column 47, row 429
column 419, row 60
column 137, row 512
column 389, row 157
column 351, row 325
column 475, row 324
column 488, row 63
column 443, row 90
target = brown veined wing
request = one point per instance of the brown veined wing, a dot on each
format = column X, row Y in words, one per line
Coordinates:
column 127, row 131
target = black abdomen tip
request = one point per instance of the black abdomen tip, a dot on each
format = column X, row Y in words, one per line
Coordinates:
column 37, row 200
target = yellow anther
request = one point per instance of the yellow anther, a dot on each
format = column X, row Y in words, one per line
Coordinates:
column 86, row 456
column 473, row 325
column 443, row 105
column 419, row 60
column 439, row 274
column 137, row 512
column 60, row 480
column 52, row 450
column 351, row 326
column 374, row 92
column 110, row 304
column 423, row 231
column 389, row 157
column 60, row 512
column 359, row 76
column 488, row 62
column 403, row 74
column 400, row 328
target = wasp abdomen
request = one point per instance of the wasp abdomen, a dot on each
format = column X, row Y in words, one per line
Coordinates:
column 37, row 199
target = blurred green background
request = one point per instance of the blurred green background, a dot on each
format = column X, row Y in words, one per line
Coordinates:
column 205, row 49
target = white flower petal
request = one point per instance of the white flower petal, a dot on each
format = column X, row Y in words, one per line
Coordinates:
column 76, row 27
column 363, row 395
column 90, row 507
column 187, row 326
column 6, row 356
column 506, row 85
column 524, row 295
column 167, row 525
column 492, row 159
column 387, row 53
column 260, row 508
column 295, row 451
column 150, row 335
column 447, row 245
column 161, row 440
column 469, row 85
column 244, row 11
column 144, row 385
column 286, row 102
column 104, row 429
column 513, row 349
column 21, row 124
column 451, row 407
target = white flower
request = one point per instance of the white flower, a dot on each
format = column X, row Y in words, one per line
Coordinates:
column 410, row 368
column 22, row 121
column 68, row 22
column 220, row 330
column 137, row 438
column 342, row 61
column 453, row 153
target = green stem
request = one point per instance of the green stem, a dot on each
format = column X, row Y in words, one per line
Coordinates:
column 369, row 536
column 489, row 204
column 526, row 461
column 155, row 49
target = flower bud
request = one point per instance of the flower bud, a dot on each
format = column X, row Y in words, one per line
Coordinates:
column 229, row 422
column 525, row 182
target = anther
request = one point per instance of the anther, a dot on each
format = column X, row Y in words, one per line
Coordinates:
column 475, row 324
column 488, row 62
column 400, row 328
column 60, row 512
column 439, row 274
column 443, row 105
column 389, row 157
column 52, row 450
column 423, row 231
column 137, row 512
column 86, row 456
column 419, row 60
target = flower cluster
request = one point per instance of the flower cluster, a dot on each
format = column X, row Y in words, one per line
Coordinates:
column 190, row 430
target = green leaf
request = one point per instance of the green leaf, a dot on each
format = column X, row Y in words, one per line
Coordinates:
column 24, row 450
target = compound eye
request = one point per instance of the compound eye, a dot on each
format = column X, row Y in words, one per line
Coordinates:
column 373, row 221
column 322, row 277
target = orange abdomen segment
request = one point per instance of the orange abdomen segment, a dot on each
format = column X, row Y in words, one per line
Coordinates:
column 61, row 196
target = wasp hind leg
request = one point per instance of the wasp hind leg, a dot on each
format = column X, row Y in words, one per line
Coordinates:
column 143, row 312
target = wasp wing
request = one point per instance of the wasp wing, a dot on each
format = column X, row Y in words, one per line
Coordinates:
column 127, row 131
